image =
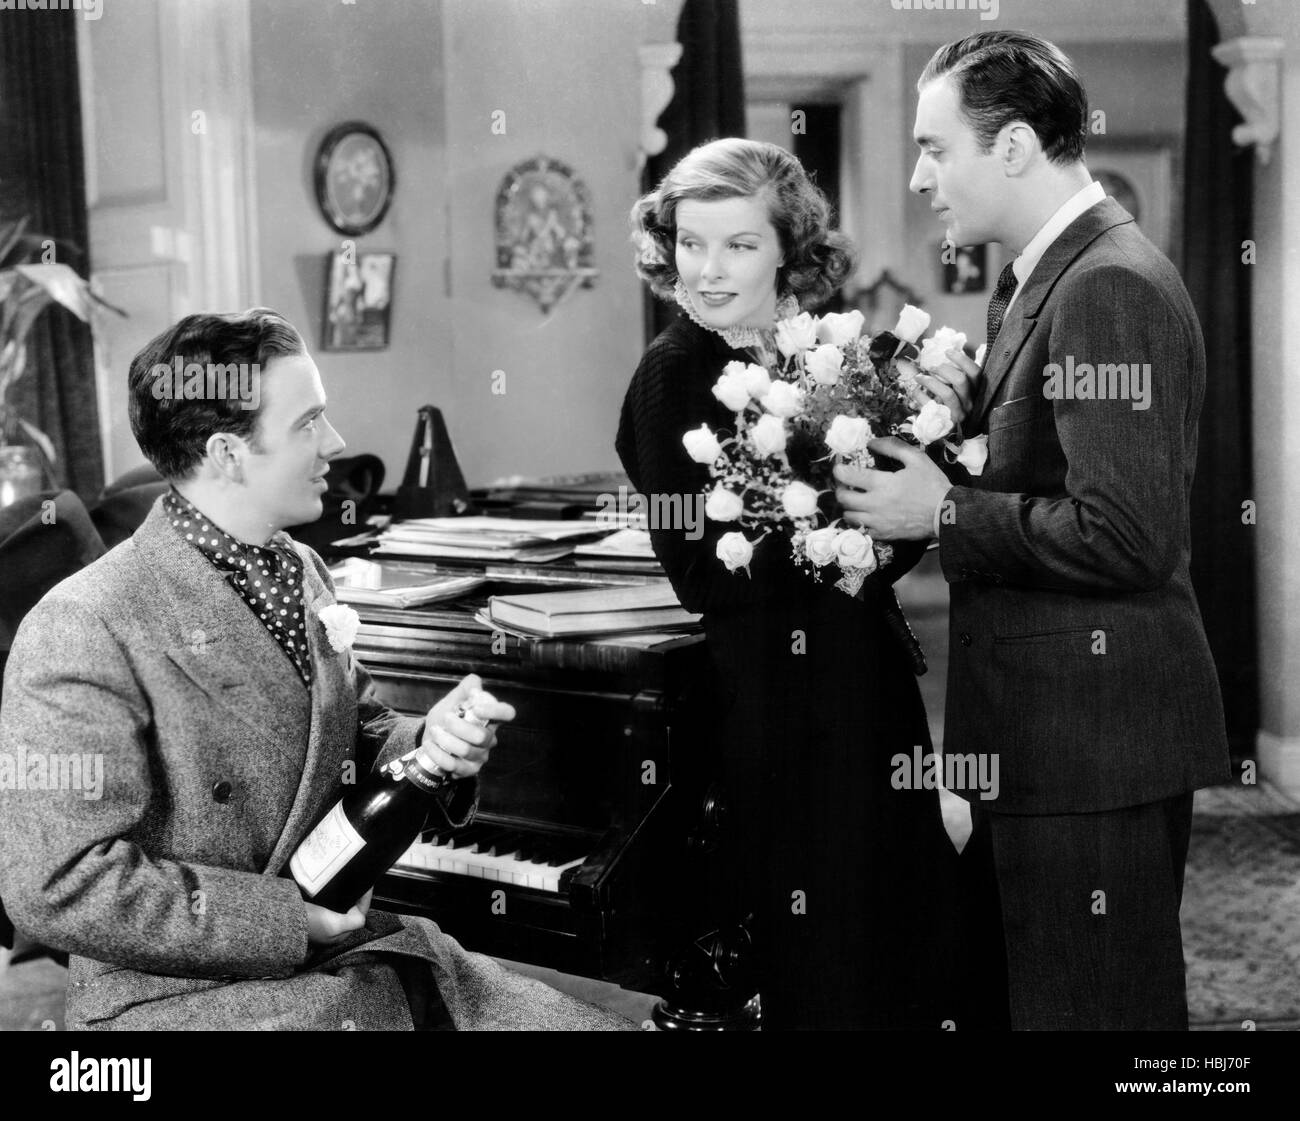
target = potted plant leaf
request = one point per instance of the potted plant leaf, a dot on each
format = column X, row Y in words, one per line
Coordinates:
column 29, row 285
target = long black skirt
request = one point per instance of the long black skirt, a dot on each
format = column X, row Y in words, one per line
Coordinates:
column 835, row 848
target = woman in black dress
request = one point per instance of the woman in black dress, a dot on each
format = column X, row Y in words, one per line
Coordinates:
column 853, row 883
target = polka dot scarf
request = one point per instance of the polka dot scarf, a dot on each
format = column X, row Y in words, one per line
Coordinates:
column 268, row 579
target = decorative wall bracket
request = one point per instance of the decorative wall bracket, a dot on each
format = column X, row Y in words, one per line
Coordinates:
column 543, row 232
column 1253, row 86
column 657, row 62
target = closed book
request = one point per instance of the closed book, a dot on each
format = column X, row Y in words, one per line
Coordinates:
column 593, row 610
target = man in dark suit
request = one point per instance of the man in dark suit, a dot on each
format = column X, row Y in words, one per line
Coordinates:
column 1078, row 659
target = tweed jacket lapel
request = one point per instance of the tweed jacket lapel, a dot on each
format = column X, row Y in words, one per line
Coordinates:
column 332, row 733
column 217, row 641
column 1023, row 317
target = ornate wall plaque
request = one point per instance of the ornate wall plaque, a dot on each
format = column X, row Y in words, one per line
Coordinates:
column 543, row 232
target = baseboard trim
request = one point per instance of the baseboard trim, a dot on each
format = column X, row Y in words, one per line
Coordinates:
column 1279, row 761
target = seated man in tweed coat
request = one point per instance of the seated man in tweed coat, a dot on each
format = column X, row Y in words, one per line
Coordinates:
column 190, row 671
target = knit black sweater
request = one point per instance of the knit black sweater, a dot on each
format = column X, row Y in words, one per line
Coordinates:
column 671, row 393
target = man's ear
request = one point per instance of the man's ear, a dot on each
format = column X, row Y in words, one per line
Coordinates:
column 1017, row 145
column 226, row 453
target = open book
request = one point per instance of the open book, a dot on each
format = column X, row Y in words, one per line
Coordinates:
column 393, row 584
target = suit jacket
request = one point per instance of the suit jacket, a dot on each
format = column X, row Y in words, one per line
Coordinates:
column 169, row 888
column 1077, row 651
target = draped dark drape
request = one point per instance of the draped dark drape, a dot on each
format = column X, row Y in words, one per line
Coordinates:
column 42, row 177
column 708, row 101
column 1217, row 208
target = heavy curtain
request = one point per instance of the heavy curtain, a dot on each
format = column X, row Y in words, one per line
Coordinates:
column 1217, row 209
column 708, row 102
column 42, row 176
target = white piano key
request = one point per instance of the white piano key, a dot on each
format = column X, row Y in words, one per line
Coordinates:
column 499, row 867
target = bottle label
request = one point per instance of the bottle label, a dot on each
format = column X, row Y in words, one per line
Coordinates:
column 325, row 851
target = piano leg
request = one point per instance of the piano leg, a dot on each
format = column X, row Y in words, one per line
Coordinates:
column 713, row 985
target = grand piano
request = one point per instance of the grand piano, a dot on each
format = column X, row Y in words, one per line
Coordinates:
column 594, row 848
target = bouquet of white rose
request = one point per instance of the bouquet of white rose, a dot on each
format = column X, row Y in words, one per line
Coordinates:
column 801, row 412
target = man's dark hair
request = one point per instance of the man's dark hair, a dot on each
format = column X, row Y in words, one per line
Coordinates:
column 1004, row 76
column 173, row 432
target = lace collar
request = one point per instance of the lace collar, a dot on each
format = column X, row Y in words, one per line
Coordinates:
column 739, row 337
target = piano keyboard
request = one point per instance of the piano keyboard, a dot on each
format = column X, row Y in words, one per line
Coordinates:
column 492, row 852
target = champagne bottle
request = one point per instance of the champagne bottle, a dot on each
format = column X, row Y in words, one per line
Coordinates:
column 367, row 829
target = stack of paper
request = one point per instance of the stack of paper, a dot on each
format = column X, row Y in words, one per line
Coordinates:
column 487, row 538
column 628, row 544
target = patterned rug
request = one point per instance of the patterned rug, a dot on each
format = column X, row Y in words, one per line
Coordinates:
column 1241, row 910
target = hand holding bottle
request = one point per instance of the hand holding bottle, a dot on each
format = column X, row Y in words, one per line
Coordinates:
column 377, row 819
column 459, row 731
column 325, row 927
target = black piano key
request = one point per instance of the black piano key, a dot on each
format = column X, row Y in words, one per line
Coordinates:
column 580, row 851
column 538, row 849
column 566, row 849
column 507, row 843
column 463, row 838
column 528, row 850
column 488, row 837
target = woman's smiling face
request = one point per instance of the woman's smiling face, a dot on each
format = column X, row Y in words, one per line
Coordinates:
column 727, row 256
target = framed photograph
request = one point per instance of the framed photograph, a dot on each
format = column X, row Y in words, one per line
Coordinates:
column 354, row 178
column 1139, row 175
column 358, row 300
column 965, row 269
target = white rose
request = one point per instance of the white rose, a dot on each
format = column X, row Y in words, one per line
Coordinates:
column 933, row 421
column 853, row 549
column 799, row 500
column 784, row 399
column 768, row 435
column 980, row 352
column 934, row 349
column 730, row 390
column 795, row 335
column 973, row 454
column 341, row 625
column 819, row 545
column 702, row 445
column 912, row 323
column 734, row 551
column 840, row 328
column 723, row 505
column 756, row 381
column 824, row 364
column 848, row 434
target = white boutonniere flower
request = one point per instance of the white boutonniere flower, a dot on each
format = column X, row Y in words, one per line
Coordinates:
column 341, row 625
column 972, row 453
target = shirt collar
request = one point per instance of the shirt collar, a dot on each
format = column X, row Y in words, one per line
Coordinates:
column 1082, row 200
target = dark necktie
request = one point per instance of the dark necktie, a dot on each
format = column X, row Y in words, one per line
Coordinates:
column 1002, row 294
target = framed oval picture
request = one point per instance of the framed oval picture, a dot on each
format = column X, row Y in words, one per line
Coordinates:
column 354, row 178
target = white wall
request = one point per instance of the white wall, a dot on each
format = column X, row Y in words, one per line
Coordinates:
column 314, row 66
column 428, row 75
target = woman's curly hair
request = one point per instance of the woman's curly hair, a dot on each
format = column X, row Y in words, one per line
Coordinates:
column 817, row 259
